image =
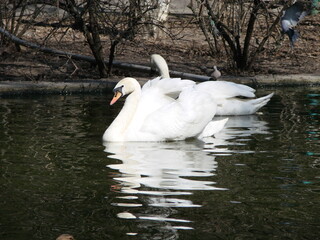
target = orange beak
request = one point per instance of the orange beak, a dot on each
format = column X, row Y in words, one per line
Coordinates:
column 115, row 98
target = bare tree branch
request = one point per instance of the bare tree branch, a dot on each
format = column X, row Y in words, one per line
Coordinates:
column 122, row 65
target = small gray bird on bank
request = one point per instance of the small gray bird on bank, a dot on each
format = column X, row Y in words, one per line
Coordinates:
column 216, row 73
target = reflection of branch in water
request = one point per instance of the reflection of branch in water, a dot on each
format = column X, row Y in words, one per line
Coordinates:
column 5, row 121
column 291, row 115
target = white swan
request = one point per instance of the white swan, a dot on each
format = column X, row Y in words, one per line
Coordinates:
column 225, row 94
column 151, row 114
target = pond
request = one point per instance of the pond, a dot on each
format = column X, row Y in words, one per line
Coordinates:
column 257, row 179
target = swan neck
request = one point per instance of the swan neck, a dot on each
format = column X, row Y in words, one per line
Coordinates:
column 128, row 110
column 164, row 71
column 161, row 65
column 118, row 128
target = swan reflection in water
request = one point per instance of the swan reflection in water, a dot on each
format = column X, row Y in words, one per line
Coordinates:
column 237, row 131
column 162, row 165
column 159, row 174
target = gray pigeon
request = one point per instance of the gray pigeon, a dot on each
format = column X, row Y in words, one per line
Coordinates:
column 291, row 18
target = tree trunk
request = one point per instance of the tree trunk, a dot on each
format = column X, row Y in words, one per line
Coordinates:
column 92, row 37
column 113, row 47
column 250, row 29
column 161, row 17
column 95, row 42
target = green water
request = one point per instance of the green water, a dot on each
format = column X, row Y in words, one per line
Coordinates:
column 258, row 179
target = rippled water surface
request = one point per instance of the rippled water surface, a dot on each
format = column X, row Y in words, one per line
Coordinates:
column 257, row 179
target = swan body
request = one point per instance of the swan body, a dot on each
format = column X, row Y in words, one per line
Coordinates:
column 225, row 94
column 152, row 114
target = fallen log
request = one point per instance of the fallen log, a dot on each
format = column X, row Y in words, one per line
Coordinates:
column 117, row 64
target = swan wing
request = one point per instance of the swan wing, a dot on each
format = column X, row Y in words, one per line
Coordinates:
column 184, row 118
column 167, row 86
column 223, row 89
column 157, row 93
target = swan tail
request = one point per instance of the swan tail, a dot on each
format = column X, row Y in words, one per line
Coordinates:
column 236, row 106
column 260, row 102
column 212, row 128
column 244, row 90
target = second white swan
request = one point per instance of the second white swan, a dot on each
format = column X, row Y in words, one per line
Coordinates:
column 225, row 94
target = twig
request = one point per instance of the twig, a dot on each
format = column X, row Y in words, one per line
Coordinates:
column 122, row 65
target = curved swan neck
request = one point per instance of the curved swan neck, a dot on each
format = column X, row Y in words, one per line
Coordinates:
column 118, row 127
column 164, row 71
column 161, row 65
column 127, row 112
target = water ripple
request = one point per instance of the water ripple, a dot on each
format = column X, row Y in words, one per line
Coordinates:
column 163, row 175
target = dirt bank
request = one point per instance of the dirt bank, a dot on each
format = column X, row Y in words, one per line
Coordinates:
column 276, row 65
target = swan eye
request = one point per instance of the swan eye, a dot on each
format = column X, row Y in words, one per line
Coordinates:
column 119, row 89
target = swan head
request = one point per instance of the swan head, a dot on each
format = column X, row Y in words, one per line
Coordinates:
column 124, row 87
